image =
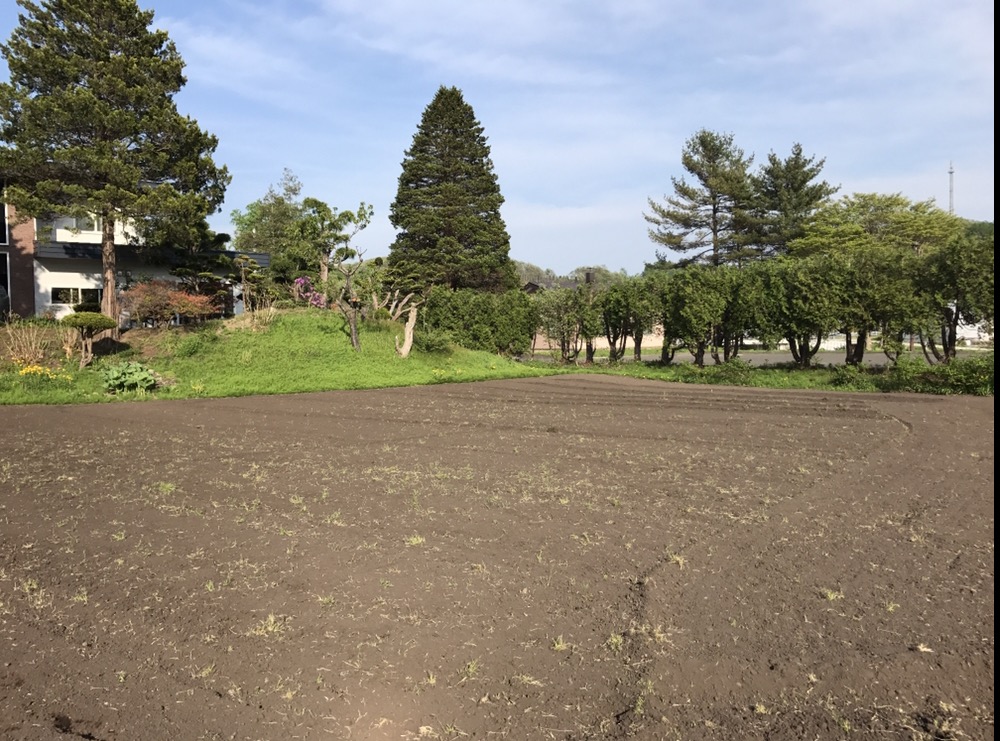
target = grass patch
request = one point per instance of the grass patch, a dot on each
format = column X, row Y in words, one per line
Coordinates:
column 300, row 351
column 970, row 374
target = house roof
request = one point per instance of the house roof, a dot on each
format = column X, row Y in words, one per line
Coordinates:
column 90, row 251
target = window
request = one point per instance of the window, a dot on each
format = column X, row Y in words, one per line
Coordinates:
column 85, row 224
column 45, row 229
column 76, row 295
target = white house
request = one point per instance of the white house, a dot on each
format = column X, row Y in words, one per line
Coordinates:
column 47, row 266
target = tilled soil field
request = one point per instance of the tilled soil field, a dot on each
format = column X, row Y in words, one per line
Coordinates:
column 578, row 557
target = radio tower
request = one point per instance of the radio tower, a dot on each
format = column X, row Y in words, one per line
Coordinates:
column 951, row 187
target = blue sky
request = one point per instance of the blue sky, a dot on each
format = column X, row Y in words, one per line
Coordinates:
column 586, row 104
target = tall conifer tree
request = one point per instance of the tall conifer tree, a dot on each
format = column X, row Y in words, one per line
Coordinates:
column 447, row 207
column 709, row 217
column 89, row 126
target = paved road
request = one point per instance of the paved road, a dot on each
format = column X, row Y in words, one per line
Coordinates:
column 755, row 358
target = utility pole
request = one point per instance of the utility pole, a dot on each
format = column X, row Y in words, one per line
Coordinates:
column 951, row 188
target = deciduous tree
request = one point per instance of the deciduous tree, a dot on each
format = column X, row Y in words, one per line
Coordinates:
column 877, row 235
column 273, row 225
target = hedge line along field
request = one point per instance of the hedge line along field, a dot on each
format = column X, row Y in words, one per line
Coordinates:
column 572, row 557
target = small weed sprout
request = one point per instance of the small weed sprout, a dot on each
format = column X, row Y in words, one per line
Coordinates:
column 272, row 627
column 526, row 680
column 470, row 670
column 559, row 644
column 678, row 559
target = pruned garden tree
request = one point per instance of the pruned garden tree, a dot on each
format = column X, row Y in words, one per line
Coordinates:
column 694, row 301
column 805, row 301
column 568, row 317
column 89, row 124
column 325, row 230
column 447, row 206
column 348, row 261
column 708, row 217
column 627, row 311
column 88, row 324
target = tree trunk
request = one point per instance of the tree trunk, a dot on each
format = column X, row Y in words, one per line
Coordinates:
column 638, row 347
column 856, row 350
column 352, row 320
column 411, row 321
column 109, row 299
column 793, row 346
column 932, row 353
column 699, row 354
column 324, row 271
column 949, row 335
column 667, row 352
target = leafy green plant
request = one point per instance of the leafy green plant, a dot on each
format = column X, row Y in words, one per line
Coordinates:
column 128, row 376
column 972, row 375
column 854, row 378
column 734, row 372
column 432, row 341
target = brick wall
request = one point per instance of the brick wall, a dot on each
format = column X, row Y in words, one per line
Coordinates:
column 21, row 251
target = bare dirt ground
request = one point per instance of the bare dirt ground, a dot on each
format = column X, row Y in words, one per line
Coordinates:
column 578, row 557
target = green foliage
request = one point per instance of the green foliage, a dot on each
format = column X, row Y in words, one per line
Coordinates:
column 854, row 378
column 734, row 372
column 88, row 321
column 529, row 273
column 627, row 309
column 567, row 317
column 447, row 206
column 432, row 341
column 127, row 376
column 956, row 282
column 804, row 301
column 272, row 225
column 90, row 123
column 192, row 343
column 493, row 322
column 693, row 303
column 864, row 220
column 967, row 375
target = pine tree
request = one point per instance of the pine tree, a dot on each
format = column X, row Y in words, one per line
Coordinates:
column 710, row 216
column 787, row 195
column 89, row 125
column 447, row 207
